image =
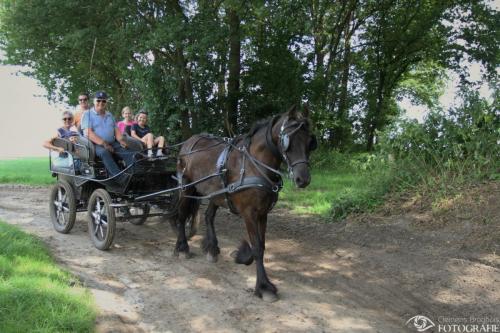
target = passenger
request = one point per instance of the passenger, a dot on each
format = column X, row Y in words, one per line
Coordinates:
column 100, row 127
column 83, row 103
column 128, row 120
column 142, row 132
column 67, row 131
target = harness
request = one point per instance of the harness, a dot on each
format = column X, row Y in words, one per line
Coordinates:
column 241, row 145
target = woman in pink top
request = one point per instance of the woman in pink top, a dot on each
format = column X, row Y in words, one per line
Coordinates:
column 128, row 120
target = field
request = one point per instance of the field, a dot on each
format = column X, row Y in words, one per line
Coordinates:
column 29, row 171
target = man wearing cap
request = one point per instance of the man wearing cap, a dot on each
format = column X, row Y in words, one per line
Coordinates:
column 99, row 126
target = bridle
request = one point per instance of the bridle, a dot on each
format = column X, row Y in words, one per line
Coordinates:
column 286, row 131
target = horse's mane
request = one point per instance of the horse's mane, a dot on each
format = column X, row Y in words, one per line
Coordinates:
column 260, row 124
column 264, row 122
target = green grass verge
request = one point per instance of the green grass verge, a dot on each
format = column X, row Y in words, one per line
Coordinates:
column 29, row 171
column 35, row 294
column 336, row 193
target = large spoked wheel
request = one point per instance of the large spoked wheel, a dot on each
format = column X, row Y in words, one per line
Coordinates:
column 62, row 207
column 138, row 215
column 102, row 220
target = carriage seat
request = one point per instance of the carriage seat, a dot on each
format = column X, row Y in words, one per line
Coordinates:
column 84, row 149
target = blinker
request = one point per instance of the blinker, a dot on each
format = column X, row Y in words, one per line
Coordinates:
column 285, row 142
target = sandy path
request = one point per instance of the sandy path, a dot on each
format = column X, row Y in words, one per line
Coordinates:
column 347, row 277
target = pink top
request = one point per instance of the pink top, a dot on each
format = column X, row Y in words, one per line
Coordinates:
column 122, row 124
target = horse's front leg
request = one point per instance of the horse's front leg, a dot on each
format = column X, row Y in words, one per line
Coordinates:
column 256, row 228
column 185, row 209
column 210, row 244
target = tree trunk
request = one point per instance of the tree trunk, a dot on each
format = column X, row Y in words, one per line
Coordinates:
column 343, row 128
column 182, row 94
column 377, row 113
column 233, row 84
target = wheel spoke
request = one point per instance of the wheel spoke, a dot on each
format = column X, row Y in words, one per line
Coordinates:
column 66, row 209
column 104, row 220
column 102, row 233
column 63, row 218
column 97, row 230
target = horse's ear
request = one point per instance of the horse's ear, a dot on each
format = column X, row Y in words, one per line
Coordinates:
column 292, row 112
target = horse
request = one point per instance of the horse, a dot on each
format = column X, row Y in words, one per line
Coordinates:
column 242, row 174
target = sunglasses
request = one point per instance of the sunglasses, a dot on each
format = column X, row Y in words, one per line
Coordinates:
column 101, row 101
column 67, row 119
column 83, row 100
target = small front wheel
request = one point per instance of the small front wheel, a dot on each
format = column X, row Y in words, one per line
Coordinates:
column 140, row 214
column 62, row 207
column 102, row 220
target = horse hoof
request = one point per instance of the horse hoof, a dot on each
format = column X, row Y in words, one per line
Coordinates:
column 211, row 258
column 269, row 297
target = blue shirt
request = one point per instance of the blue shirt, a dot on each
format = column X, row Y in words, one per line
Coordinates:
column 103, row 126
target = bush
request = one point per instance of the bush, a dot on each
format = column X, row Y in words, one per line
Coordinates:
column 449, row 149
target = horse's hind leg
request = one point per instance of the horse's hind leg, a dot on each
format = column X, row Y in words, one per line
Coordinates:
column 256, row 228
column 187, row 207
column 210, row 243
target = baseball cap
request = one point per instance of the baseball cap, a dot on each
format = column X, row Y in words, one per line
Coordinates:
column 101, row 95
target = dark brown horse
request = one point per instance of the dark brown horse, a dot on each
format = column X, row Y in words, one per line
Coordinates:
column 242, row 175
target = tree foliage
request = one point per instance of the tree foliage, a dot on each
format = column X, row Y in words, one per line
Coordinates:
column 219, row 65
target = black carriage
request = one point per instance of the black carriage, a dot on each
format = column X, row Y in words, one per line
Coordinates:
column 146, row 188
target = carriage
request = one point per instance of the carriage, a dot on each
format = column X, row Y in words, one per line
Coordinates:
column 147, row 188
column 241, row 174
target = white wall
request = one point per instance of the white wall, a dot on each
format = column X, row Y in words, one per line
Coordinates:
column 27, row 119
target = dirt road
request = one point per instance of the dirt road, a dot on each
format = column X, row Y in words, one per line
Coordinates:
column 367, row 275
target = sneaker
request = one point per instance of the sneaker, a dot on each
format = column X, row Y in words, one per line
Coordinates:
column 159, row 153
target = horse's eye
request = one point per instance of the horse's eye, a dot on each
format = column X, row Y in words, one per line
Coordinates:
column 313, row 144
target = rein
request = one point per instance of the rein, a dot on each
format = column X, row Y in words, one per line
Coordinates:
column 262, row 181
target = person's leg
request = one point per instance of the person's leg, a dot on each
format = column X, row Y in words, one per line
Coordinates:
column 160, row 142
column 107, row 159
column 148, row 139
column 125, row 154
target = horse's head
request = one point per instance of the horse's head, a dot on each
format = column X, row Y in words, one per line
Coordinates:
column 295, row 143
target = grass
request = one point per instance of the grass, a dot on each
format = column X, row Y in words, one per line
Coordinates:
column 35, row 294
column 29, row 171
column 336, row 193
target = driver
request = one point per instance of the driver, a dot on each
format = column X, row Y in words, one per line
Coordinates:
column 99, row 126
